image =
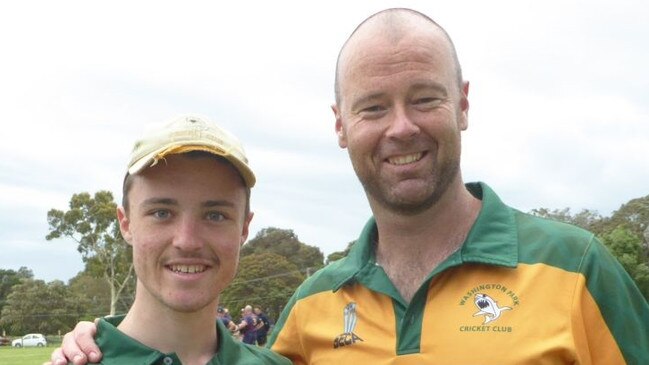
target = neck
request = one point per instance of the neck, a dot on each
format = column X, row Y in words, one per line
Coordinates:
column 192, row 336
column 453, row 214
column 411, row 246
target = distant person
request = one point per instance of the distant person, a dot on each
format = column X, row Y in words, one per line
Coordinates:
column 445, row 272
column 262, row 327
column 186, row 213
column 226, row 314
column 248, row 326
column 226, row 320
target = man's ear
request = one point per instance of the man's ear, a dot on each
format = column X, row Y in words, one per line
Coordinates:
column 464, row 106
column 246, row 226
column 124, row 224
column 340, row 131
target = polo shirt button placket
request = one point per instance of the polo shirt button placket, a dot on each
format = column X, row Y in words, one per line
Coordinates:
column 168, row 361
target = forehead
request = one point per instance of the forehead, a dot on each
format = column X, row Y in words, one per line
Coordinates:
column 191, row 177
column 378, row 51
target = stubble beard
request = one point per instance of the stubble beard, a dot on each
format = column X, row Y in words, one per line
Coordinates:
column 438, row 181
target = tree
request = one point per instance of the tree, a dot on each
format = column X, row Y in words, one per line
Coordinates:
column 272, row 266
column 587, row 219
column 97, row 291
column 628, row 248
column 9, row 279
column 34, row 306
column 265, row 279
column 285, row 243
column 92, row 223
column 335, row 256
column 634, row 214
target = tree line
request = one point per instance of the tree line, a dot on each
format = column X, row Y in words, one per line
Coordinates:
column 272, row 265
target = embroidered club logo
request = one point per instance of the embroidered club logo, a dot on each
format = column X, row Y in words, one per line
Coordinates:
column 488, row 308
column 348, row 337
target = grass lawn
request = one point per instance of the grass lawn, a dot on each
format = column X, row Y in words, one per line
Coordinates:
column 24, row 356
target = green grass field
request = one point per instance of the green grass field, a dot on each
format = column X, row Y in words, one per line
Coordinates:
column 24, row 356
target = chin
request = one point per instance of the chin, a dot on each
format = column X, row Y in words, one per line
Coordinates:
column 408, row 208
column 189, row 303
column 410, row 204
column 187, row 307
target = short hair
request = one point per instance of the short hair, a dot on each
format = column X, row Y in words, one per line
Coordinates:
column 128, row 178
column 390, row 15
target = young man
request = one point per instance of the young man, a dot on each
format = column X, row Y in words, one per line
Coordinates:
column 186, row 213
column 446, row 273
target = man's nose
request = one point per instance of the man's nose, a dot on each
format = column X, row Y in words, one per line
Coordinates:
column 402, row 126
column 186, row 236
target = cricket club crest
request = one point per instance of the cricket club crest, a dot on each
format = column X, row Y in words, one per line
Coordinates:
column 348, row 337
column 488, row 308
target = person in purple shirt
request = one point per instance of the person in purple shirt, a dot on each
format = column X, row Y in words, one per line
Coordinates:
column 248, row 326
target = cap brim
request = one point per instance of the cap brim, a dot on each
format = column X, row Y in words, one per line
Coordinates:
column 148, row 159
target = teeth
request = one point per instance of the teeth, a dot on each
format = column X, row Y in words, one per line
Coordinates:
column 406, row 159
column 187, row 269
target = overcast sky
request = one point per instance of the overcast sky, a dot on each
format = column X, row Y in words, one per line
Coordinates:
column 559, row 114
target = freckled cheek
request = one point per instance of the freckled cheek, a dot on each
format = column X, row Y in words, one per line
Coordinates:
column 227, row 248
column 233, row 252
column 146, row 244
column 229, row 259
column 146, row 247
column 150, row 239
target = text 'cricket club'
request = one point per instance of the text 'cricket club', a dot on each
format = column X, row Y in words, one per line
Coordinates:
column 348, row 337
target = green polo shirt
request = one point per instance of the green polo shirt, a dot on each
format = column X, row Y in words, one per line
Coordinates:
column 120, row 349
column 520, row 290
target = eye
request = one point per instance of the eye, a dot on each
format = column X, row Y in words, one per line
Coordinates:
column 430, row 102
column 424, row 100
column 161, row 214
column 373, row 111
column 215, row 216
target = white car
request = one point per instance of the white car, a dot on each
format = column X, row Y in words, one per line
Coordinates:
column 30, row 340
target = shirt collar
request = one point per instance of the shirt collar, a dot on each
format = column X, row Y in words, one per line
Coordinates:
column 119, row 348
column 492, row 240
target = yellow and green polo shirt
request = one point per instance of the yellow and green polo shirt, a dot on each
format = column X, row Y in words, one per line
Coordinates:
column 520, row 290
column 120, row 349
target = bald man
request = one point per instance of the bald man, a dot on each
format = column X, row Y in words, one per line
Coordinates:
column 444, row 272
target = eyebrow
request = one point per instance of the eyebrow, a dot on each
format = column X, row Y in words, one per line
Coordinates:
column 205, row 204
column 430, row 85
column 364, row 100
column 160, row 201
column 217, row 203
column 418, row 86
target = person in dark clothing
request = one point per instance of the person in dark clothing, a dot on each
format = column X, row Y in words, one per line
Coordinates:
column 248, row 326
column 262, row 327
column 225, row 318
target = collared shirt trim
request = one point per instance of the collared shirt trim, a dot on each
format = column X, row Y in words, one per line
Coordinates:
column 496, row 222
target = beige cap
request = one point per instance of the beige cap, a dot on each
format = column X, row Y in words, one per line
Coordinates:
column 189, row 133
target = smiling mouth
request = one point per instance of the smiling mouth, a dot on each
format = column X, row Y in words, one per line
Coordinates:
column 187, row 269
column 405, row 159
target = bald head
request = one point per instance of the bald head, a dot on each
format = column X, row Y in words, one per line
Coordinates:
column 391, row 25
